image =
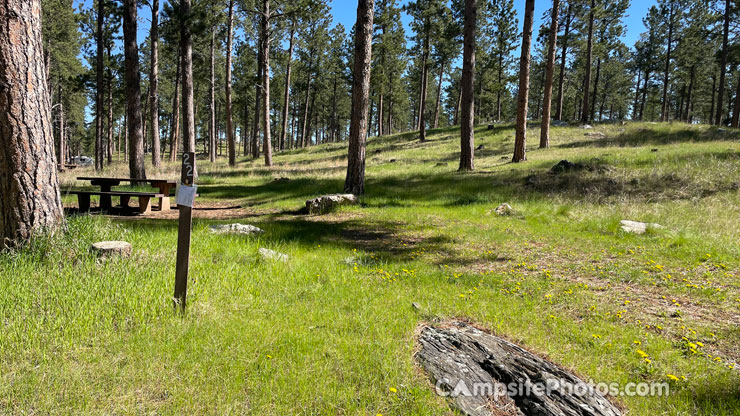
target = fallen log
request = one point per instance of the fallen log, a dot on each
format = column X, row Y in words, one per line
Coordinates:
column 489, row 376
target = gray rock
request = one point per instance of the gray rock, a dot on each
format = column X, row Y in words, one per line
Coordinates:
column 587, row 126
column 595, row 134
column 504, row 210
column 636, row 227
column 267, row 254
column 327, row 203
column 112, row 248
column 559, row 123
column 236, row 229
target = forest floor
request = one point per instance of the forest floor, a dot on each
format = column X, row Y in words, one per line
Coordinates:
column 332, row 331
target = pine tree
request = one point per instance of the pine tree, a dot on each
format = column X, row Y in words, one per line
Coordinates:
column 467, row 133
column 355, row 181
column 520, row 142
column 30, row 202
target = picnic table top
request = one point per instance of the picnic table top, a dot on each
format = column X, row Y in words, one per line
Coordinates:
column 105, row 179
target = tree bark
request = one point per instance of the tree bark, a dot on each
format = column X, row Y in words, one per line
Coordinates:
column 594, row 95
column 423, row 93
column 188, row 111
column 520, row 144
column 563, row 58
column 467, row 85
column 266, row 128
column 175, row 128
column 154, row 86
column 109, row 142
column 133, row 91
column 439, row 95
column 460, row 356
column 30, row 202
column 257, row 99
column 723, row 63
column 585, row 111
column 666, row 74
column 736, row 109
column 286, row 100
column 230, row 139
column 212, row 101
column 355, row 181
column 549, row 74
column 99, row 88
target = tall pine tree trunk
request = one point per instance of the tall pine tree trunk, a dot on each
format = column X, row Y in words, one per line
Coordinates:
column 667, row 72
column 266, row 128
column 288, row 73
column 586, row 109
column 109, row 142
column 549, row 69
column 594, row 95
column 99, row 87
column 188, row 111
column 723, row 63
column 563, row 58
column 29, row 189
column 423, row 94
column 355, row 181
column 212, row 101
column 133, row 91
column 439, row 94
column 230, row 139
column 520, row 144
column 175, row 121
column 257, row 98
column 467, row 128
column 154, row 86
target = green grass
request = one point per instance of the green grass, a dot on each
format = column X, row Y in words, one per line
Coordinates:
column 332, row 330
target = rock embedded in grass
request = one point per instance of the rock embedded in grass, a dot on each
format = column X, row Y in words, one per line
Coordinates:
column 327, row 203
column 636, row 227
column 236, row 229
column 267, row 254
column 504, row 210
column 597, row 134
column 559, row 123
column 107, row 249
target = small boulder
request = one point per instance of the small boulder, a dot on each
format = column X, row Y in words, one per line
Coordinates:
column 566, row 166
column 504, row 210
column 267, row 254
column 112, row 248
column 236, row 229
column 587, row 126
column 327, row 203
column 481, row 147
column 595, row 134
column 559, row 123
column 636, row 227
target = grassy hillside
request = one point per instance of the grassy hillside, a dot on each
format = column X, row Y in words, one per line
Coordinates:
column 332, row 331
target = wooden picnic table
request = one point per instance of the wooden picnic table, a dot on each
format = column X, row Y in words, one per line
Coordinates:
column 105, row 184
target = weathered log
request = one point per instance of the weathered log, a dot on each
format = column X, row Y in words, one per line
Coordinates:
column 486, row 375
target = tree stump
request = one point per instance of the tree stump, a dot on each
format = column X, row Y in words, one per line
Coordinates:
column 486, row 375
column 112, row 249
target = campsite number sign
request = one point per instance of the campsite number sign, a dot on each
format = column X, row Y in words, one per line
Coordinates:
column 185, row 197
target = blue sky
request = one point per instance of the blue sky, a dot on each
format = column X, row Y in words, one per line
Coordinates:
column 345, row 12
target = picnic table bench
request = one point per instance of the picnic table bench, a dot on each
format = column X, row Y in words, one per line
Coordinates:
column 164, row 187
column 145, row 199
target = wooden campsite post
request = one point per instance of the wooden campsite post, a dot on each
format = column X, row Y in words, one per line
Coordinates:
column 184, row 230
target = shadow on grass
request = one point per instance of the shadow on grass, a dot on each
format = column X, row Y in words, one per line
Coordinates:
column 646, row 136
